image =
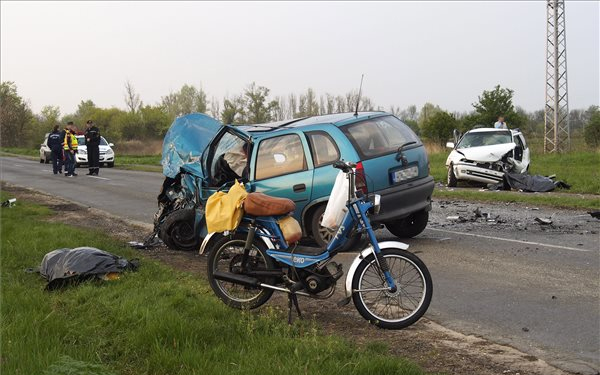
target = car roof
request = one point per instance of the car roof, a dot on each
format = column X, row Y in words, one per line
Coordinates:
column 485, row 130
column 337, row 119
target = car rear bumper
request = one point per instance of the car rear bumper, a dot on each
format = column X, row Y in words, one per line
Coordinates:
column 466, row 171
column 402, row 200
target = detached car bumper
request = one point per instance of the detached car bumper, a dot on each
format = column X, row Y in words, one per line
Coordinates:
column 398, row 202
column 473, row 172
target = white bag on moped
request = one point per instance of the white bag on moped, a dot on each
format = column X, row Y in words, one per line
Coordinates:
column 336, row 206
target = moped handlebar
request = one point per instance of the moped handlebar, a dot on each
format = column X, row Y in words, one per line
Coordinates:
column 345, row 166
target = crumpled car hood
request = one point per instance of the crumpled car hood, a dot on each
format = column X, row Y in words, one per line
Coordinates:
column 487, row 154
column 185, row 142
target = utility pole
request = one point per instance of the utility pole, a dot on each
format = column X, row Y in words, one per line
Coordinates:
column 556, row 123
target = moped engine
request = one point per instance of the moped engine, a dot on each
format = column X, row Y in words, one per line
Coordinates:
column 319, row 280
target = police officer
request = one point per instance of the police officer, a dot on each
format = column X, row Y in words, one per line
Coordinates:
column 70, row 149
column 55, row 145
column 92, row 141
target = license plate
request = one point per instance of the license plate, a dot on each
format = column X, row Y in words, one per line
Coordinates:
column 404, row 174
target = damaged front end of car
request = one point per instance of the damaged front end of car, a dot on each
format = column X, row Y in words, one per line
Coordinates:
column 179, row 220
column 487, row 164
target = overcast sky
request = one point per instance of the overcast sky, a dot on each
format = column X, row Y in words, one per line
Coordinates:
column 447, row 53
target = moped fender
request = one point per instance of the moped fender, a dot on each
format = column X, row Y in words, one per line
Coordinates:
column 267, row 241
column 362, row 255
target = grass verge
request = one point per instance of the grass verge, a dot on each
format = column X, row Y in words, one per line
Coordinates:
column 154, row 321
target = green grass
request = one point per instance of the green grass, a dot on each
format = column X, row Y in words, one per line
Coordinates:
column 20, row 151
column 154, row 321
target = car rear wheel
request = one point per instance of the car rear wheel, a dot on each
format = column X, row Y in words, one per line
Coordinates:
column 323, row 235
column 409, row 226
column 452, row 180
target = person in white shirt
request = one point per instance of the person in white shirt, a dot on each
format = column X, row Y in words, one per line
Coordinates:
column 500, row 124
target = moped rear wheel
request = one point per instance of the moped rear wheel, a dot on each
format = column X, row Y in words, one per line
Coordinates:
column 397, row 310
column 226, row 256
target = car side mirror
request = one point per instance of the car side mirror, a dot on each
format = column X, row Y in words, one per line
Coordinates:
column 111, row 145
column 450, row 144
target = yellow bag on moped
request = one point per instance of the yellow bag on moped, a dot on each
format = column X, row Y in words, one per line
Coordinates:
column 223, row 211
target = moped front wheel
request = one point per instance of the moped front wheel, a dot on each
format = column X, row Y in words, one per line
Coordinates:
column 387, row 309
column 226, row 256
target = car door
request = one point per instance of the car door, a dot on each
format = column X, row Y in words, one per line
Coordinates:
column 281, row 167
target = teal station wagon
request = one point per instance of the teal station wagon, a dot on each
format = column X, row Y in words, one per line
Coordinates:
column 293, row 159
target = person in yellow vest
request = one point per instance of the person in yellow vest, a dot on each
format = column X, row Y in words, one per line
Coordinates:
column 70, row 149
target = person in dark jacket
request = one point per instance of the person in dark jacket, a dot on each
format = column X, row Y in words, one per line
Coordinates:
column 55, row 144
column 92, row 141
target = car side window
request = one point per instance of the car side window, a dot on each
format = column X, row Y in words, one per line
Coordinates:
column 521, row 141
column 280, row 155
column 228, row 144
column 323, row 149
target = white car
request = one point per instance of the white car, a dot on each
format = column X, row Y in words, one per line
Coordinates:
column 483, row 155
column 107, row 155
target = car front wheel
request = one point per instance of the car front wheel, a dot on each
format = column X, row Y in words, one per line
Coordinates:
column 452, row 180
column 409, row 226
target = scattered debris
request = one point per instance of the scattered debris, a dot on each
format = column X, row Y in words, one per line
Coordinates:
column 543, row 221
column 460, row 219
column 553, row 297
column 525, row 329
column 9, row 202
column 595, row 214
column 151, row 241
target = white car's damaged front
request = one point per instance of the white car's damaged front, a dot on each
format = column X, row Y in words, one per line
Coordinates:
column 484, row 155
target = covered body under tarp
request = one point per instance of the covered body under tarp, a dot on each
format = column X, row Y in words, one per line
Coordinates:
column 65, row 265
column 526, row 182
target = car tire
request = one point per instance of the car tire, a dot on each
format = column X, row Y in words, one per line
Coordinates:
column 110, row 165
column 410, row 226
column 177, row 230
column 41, row 161
column 323, row 236
column 452, row 180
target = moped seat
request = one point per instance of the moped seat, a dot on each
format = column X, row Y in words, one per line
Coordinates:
column 259, row 204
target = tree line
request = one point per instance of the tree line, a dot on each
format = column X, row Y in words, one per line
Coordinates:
column 20, row 127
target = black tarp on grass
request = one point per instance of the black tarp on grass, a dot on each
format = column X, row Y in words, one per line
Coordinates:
column 63, row 266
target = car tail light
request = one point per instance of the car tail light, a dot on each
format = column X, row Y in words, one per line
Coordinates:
column 361, row 181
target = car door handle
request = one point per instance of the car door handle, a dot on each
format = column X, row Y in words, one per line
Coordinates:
column 299, row 188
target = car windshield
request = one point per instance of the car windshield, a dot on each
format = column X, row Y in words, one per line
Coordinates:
column 477, row 139
column 81, row 141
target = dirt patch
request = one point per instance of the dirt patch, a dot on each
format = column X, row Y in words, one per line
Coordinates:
column 432, row 346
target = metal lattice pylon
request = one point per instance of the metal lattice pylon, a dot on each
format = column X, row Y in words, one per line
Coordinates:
column 556, row 124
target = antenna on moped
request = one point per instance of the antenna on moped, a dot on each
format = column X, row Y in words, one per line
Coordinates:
column 359, row 92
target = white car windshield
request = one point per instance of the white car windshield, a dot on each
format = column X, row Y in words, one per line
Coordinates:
column 477, row 139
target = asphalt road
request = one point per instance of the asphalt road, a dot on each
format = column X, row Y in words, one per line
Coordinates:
column 512, row 281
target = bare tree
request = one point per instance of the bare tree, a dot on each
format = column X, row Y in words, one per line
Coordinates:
column 132, row 99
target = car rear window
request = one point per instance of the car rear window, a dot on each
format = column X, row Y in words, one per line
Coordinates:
column 379, row 136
